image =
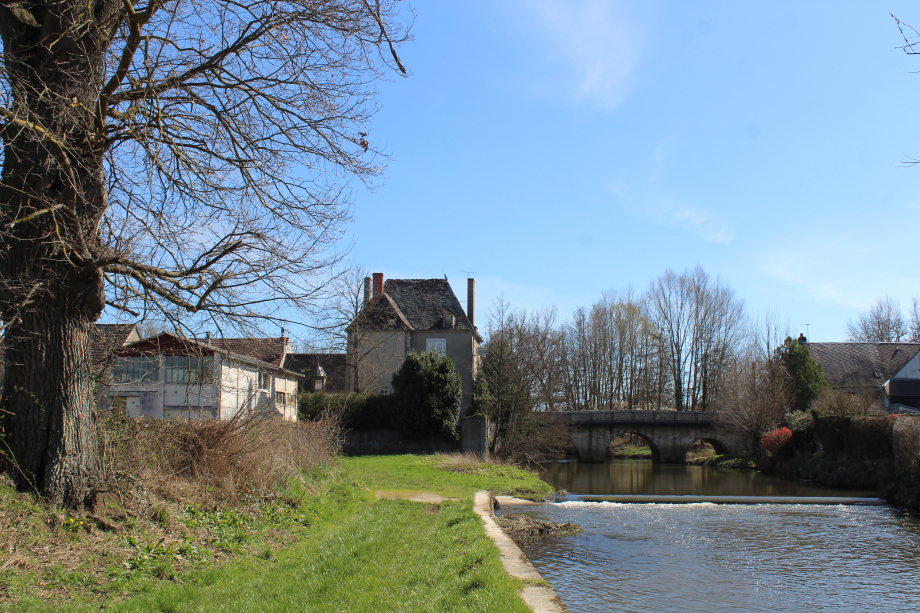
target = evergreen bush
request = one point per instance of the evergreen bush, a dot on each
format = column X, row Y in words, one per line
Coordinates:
column 428, row 394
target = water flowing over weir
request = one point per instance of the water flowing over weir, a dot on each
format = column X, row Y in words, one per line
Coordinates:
column 722, row 557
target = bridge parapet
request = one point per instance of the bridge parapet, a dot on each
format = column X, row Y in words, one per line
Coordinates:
column 601, row 418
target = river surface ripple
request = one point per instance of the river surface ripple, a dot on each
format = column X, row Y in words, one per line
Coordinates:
column 706, row 557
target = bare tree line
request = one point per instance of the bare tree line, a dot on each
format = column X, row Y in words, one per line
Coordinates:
column 667, row 348
column 884, row 322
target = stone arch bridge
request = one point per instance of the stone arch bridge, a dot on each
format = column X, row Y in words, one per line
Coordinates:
column 669, row 433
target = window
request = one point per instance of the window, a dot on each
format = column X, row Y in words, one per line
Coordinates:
column 189, row 413
column 385, row 392
column 280, row 398
column 264, row 380
column 436, row 344
column 188, row 369
column 318, row 384
column 136, row 369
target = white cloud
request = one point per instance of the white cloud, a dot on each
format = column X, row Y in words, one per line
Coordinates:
column 596, row 46
column 667, row 210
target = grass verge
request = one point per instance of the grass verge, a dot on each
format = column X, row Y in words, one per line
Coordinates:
column 333, row 548
column 447, row 475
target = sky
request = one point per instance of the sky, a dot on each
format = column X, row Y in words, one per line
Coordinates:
column 555, row 150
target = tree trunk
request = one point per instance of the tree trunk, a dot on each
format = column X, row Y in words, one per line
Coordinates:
column 52, row 198
column 48, row 404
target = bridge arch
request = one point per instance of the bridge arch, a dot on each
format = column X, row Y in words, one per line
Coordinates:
column 647, row 438
column 718, row 446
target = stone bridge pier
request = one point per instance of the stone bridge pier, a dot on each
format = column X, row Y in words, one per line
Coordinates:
column 669, row 433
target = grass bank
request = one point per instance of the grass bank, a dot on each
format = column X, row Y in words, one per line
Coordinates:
column 327, row 545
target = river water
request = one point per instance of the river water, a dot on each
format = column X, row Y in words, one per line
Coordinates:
column 653, row 558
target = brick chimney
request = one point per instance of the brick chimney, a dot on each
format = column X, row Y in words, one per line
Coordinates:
column 378, row 284
column 471, row 301
column 367, row 289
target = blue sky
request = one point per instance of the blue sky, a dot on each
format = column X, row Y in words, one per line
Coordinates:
column 562, row 148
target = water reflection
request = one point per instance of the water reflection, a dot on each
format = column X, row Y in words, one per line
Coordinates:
column 642, row 477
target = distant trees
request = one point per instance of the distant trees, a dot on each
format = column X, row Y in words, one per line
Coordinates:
column 884, row 323
column 666, row 348
column 701, row 323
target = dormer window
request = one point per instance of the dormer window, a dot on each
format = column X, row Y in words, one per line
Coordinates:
column 391, row 321
column 448, row 319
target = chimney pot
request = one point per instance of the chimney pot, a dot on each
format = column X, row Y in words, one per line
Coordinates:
column 378, row 284
column 471, row 301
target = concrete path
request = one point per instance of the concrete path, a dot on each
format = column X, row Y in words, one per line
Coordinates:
column 540, row 598
column 424, row 497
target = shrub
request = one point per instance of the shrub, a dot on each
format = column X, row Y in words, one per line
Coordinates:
column 212, row 460
column 777, row 443
column 428, row 393
column 831, row 434
column 835, row 403
column 800, row 421
column 906, row 444
column 870, row 438
column 352, row 411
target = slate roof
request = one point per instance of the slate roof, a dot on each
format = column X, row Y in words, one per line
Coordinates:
column 333, row 364
column 424, row 301
column 270, row 350
column 855, row 364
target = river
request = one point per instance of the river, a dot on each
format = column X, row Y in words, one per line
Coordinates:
column 654, row 558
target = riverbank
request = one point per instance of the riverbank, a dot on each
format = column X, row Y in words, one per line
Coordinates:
column 328, row 545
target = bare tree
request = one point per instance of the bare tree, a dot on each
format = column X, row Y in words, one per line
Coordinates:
column 702, row 324
column 914, row 323
column 173, row 157
column 365, row 331
column 755, row 397
column 882, row 323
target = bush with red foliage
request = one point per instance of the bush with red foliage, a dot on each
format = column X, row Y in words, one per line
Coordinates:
column 777, row 442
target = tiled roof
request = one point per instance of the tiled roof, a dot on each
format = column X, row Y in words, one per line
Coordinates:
column 106, row 338
column 855, row 364
column 333, row 363
column 167, row 343
column 424, row 301
column 269, row 350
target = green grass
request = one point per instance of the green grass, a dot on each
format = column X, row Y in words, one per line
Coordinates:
column 352, row 553
column 388, row 556
column 421, row 473
column 629, row 452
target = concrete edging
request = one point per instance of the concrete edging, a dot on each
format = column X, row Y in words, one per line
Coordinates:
column 540, row 598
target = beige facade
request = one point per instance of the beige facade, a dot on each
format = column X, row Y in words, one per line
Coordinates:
column 411, row 315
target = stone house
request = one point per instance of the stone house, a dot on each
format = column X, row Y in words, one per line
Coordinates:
column 403, row 315
column 169, row 376
column 886, row 373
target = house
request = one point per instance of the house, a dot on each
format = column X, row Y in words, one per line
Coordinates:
column 403, row 315
column 170, row 376
column 320, row 372
column 105, row 339
column 889, row 372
